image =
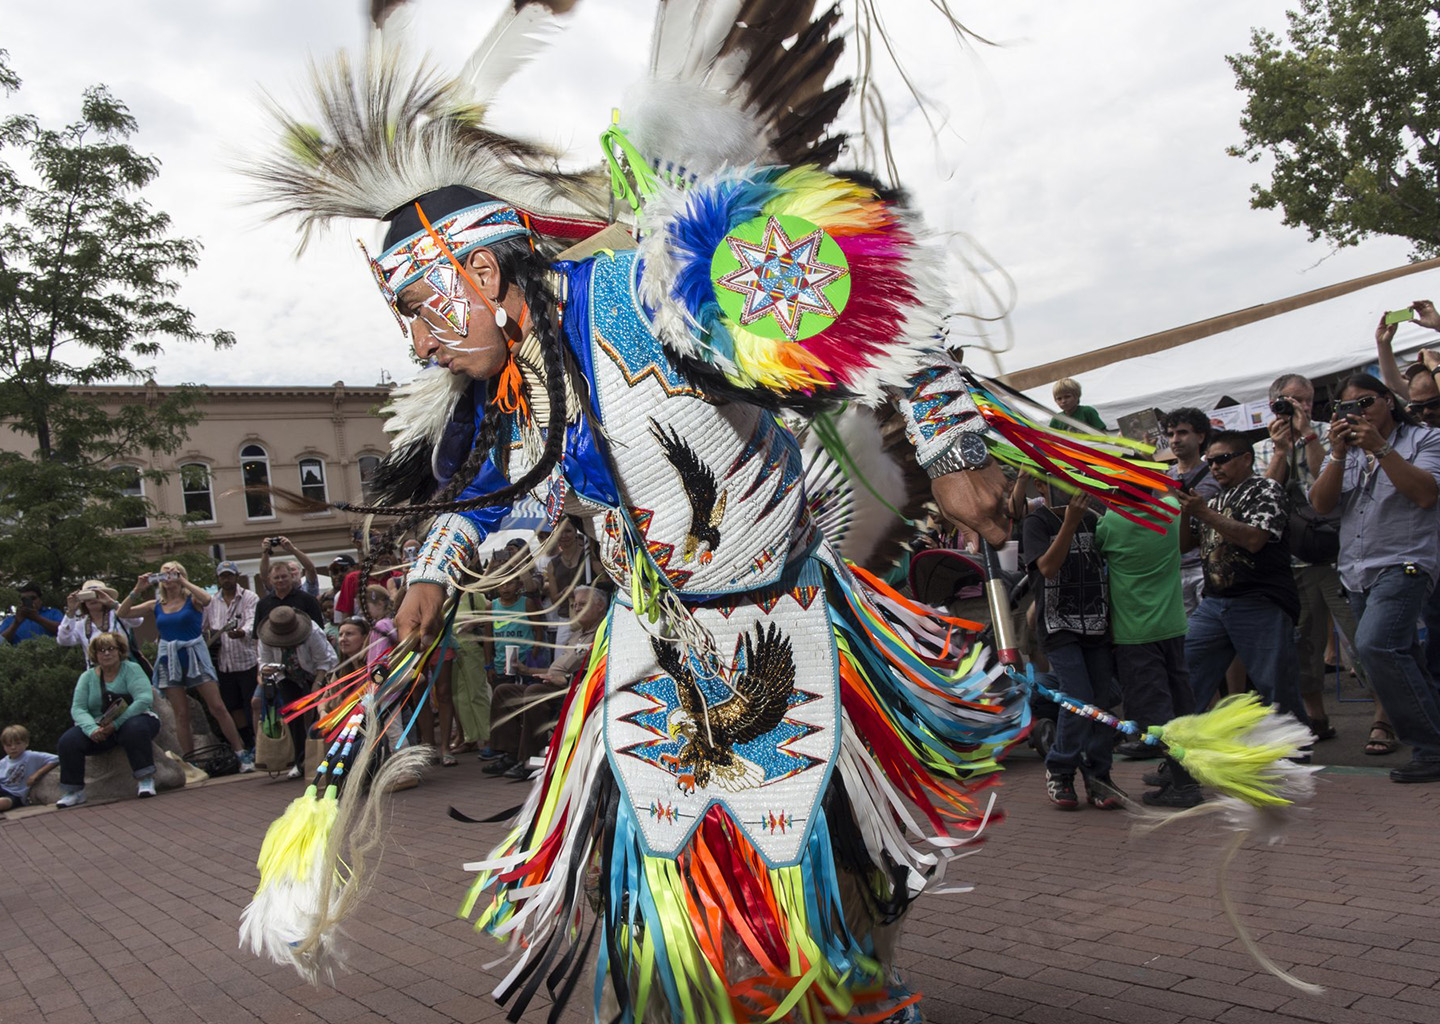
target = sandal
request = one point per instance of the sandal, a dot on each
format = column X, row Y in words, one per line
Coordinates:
column 1385, row 744
column 1322, row 728
column 448, row 761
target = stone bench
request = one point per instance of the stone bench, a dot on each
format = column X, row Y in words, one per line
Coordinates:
column 107, row 775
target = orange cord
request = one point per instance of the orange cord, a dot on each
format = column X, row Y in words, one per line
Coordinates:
column 510, row 392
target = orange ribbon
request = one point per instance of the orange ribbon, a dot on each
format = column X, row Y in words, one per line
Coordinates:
column 510, row 391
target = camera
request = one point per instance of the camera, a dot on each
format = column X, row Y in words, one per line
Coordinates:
column 271, row 543
column 1283, row 408
column 272, row 673
column 85, row 595
column 1344, row 410
column 156, row 577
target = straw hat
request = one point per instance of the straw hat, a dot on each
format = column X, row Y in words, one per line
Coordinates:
column 284, row 627
column 100, row 587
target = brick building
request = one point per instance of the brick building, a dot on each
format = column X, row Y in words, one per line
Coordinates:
column 323, row 442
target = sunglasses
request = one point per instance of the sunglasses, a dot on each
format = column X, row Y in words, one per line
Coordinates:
column 1224, row 457
column 1430, row 403
column 103, row 648
column 1354, row 405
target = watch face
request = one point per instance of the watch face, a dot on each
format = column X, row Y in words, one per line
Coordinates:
column 972, row 450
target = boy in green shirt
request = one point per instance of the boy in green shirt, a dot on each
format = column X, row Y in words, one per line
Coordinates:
column 1147, row 622
column 1067, row 397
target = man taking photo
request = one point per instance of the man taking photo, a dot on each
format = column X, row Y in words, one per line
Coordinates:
column 1250, row 603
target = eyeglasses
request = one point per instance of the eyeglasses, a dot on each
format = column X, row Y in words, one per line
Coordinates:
column 105, row 648
column 1224, row 457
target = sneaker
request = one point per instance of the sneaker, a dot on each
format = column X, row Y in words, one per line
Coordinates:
column 1174, row 796
column 1159, row 778
column 1416, row 771
column 500, row 765
column 518, row 772
column 247, row 761
column 1042, row 736
column 1102, row 793
column 146, row 787
column 1061, row 790
column 489, row 754
column 294, row 772
column 1139, row 750
column 72, row 799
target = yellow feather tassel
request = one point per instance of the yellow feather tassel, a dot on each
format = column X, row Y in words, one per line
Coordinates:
column 1236, row 747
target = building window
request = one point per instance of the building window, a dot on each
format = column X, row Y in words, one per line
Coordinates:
column 255, row 472
column 132, row 487
column 368, row 466
column 312, row 480
column 195, row 492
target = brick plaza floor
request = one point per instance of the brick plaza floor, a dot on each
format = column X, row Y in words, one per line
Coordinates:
column 127, row 913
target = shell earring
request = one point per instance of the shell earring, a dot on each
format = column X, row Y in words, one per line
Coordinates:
column 501, row 317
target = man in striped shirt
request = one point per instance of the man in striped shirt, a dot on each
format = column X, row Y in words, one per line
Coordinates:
column 229, row 619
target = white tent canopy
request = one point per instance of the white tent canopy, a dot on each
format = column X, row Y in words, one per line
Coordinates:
column 1325, row 338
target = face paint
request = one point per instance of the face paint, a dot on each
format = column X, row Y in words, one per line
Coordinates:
column 417, row 257
column 445, row 300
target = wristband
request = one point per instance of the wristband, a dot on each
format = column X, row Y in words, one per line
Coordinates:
column 1383, row 451
column 1308, row 439
column 449, row 548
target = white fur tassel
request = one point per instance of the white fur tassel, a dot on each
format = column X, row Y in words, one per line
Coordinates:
column 419, row 409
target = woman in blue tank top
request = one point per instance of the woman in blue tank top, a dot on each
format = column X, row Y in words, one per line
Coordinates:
column 182, row 661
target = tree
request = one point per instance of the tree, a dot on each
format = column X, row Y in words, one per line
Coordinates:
column 1350, row 113
column 87, row 272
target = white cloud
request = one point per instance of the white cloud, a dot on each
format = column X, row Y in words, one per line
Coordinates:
column 1086, row 154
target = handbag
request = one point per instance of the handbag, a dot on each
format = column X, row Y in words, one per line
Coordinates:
column 214, row 760
column 1313, row 538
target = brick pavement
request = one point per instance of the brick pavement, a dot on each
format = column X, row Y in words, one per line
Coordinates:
column 126, row 913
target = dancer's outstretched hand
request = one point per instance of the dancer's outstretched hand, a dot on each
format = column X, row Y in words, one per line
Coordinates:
column 975, row 498
column 421, row 612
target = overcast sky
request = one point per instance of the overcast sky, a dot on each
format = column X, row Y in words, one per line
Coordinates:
column 1085, row 155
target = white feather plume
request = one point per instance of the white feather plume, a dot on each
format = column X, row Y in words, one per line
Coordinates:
column 419, row 409
column 516, row 38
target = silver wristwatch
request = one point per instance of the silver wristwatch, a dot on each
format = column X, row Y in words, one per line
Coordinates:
column 967, row 452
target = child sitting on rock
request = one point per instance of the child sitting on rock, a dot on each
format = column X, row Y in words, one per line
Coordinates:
column 21, row 767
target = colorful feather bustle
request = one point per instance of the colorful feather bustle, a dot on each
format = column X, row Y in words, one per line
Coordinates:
column 715, row 933
column 892, row 322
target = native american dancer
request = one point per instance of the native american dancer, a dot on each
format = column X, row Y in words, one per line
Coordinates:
column 771, row 754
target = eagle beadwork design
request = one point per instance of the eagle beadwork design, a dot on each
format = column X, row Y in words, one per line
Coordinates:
column 761, row 697
column 698, row 479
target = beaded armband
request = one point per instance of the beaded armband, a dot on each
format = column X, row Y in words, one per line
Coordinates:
column 937, row 409
column 450, row 546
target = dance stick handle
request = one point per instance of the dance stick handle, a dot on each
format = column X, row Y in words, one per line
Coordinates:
column 1078, row 707
column 997, row 593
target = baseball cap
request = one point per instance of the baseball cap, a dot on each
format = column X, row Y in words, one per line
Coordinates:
column 224, row 567
column 345, row 560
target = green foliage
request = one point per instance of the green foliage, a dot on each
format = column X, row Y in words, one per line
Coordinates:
column 39, row 685
column 1349, row 112
column 87, row 275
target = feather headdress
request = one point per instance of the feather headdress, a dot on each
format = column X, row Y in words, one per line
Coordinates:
column 388, row 129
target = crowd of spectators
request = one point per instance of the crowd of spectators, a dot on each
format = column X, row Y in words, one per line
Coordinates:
column 241, row 652
column 1326, row 529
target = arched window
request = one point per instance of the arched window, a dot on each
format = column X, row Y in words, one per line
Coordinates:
column 368, row 465
column 255, row 472
column 131, row 485
column 312, row 479
column 195, row 493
